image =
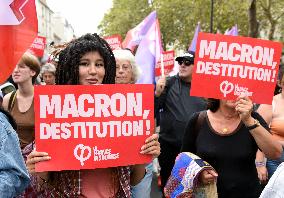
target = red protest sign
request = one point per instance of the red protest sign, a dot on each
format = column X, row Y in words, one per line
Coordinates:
column 18, row 29
column 38, row 46
column 86, row 127
column 228, row 66
column 114, row 41
column 169, row 62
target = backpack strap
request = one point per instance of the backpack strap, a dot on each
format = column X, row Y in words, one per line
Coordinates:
column 200, row 120
column 12, row 100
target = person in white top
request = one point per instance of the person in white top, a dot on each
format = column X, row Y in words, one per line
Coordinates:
column 275, row 186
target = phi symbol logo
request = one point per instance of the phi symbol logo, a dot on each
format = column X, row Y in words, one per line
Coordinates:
column 79, row 153
column 11, row 12
column 226, row 87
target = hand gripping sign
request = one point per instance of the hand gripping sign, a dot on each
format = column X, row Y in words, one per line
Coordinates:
column 18, row 29
column 86, row 127
column 228, row 66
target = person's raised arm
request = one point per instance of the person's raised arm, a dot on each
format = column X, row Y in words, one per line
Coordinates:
column 160, row 86
column 258, row 128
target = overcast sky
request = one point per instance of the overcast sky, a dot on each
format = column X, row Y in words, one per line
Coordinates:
column 83, row 15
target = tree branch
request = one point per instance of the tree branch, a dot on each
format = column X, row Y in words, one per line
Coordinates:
column 277, row 18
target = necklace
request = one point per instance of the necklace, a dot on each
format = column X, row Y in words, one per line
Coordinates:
column 225, row 130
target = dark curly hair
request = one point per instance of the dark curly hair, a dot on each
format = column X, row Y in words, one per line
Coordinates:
column 69, row 58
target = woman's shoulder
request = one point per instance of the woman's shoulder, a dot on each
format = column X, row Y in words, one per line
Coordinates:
column 6, row 100
column 277, row 96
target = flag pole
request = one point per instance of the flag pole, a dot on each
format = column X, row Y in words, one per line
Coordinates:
column 162, row 65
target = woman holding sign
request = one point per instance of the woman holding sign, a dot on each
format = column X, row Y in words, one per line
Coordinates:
column 228, row 138
column 88, row 60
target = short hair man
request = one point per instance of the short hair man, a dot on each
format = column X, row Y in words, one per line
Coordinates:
column 176, row 106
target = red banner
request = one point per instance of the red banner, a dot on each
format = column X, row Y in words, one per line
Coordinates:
column 114, row 41
column 169, row 62
column 38, row 46
column 86, row 127
column 18, row 29
column 228, row 66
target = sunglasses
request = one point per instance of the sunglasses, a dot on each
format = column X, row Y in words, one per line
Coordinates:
column 185, row 62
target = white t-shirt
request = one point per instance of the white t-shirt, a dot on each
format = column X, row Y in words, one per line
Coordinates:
column 275, row 186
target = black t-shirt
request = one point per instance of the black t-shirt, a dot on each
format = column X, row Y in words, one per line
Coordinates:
column 231, row 155
column 177, row 107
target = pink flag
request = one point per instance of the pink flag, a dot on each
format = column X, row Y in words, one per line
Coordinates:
column 135, row 35
column 192, row 46
column 233, row 31
column 149, row 53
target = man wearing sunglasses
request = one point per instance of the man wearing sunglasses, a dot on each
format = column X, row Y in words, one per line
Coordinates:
column 175, row 106
column 186, row 62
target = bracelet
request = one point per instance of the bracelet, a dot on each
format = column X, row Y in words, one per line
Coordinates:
column 259, row 164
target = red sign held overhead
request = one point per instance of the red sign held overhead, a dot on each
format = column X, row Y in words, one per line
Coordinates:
column 228, row 66
column 114, row 41
column 18, row 29
column 169, row 62
column 38, row 46
column 86, row 127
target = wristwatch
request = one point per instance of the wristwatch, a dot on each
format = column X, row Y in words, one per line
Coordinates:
column 255, row 124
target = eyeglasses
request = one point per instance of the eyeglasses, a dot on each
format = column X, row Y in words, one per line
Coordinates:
column 186, row 62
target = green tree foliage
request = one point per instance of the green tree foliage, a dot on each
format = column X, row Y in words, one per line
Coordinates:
column 271, row 16
column 178, row 18
column 123, row 16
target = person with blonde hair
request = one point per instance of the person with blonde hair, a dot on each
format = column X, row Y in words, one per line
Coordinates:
column 48, row 73
column 20, row 103
column 128, row 72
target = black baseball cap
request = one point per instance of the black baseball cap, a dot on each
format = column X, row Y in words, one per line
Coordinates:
column 187, row 55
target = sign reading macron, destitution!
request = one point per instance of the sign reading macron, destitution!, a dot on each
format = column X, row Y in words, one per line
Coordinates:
column 86, row 127
column 228, row 66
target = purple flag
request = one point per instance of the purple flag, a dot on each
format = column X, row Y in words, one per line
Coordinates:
column 233, row 31
column 148, row 54
column 135, row 35
column 192, row 46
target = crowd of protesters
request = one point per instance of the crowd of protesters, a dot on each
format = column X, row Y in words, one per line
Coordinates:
column 236, row 141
